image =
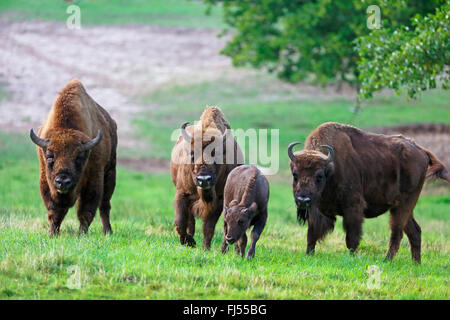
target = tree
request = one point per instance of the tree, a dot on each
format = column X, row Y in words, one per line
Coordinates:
column 407, row 59
column 300, row 39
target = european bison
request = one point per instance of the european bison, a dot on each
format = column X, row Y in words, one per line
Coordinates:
column 76, row 147
column 202, row 158
column 245, row 200
column 363, row 176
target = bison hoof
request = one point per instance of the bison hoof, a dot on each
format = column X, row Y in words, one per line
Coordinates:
column 53, row 233
column 191, row 242
column 187, row 241
column 224, row 249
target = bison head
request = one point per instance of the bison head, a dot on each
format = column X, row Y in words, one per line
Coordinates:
column 236, row 220
column 310, row 171
column 65, row 153
column 206, row 155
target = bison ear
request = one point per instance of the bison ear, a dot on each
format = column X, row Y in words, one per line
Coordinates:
column 253, row 207
column 329, row 170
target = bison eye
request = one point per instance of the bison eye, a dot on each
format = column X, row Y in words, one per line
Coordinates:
column 50, row 161
column 295, row 176
column 80, row 159
column 192, row 157
column 320, row 177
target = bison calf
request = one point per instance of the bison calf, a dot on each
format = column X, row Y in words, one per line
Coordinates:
column 76, row 147
column 245, row 200
column 363, row 176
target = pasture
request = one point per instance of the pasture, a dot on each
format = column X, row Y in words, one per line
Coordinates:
column 143, row 258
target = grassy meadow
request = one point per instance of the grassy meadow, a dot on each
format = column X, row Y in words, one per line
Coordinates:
column 173, row 13
column 143, row 258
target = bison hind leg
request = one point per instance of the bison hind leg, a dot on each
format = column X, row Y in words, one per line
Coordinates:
column 401, row 219
column 414, row 233
column 105, row 206
column 352, row 222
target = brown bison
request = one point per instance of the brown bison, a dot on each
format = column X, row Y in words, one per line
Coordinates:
column 202, row 158
column 76, row 147
column 363, row 176
column 245, row 200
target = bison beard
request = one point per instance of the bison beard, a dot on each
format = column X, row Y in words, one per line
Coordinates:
column 319, row 224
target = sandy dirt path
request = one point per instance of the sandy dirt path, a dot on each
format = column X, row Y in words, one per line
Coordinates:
column 116, row 64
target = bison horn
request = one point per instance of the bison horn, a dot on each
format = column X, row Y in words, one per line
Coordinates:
column 90, row 144
column 330, row 154
column 43, row 143
column 186, row 135
column 290, row 153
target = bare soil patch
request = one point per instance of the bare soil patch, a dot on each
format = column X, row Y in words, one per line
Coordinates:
column 433, row 136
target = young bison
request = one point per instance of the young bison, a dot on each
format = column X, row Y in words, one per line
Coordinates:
column 76, row 147
column 245, row 200
column 363, row 176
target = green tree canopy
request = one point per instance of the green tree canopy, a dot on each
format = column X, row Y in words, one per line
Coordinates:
column 407, row 59
column 300, row 39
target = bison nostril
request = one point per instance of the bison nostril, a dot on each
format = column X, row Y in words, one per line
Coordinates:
column 304, row 200
column 63, row 182
column 202, row 179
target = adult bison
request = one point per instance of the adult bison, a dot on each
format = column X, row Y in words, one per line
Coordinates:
column 202, row 158
column 363, row 176
column 76, row 147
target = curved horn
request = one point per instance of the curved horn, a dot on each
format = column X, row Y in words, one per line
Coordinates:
column 43, row 143
column 186, row 135
column 290, row 153
column 330, row 154
column 90, row 144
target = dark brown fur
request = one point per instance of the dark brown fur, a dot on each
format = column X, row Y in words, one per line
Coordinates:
column 369, row 175
column 190, row 199
column 75, row 118
column 245, row 200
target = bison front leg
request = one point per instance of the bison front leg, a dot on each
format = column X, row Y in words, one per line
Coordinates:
column 55, row 218
column 241, row 245
column 224, row 247
column 311, row 239
column 88, row 204
column 183, row 219
column 256, row 233
column 209, row 226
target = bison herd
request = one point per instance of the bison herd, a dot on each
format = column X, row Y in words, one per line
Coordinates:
column 341, row 170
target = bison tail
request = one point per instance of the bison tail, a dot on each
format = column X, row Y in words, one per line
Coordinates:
column 436, row 168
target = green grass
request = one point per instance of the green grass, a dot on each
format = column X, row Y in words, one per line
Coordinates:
column 143, row 259
column 178, row 13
